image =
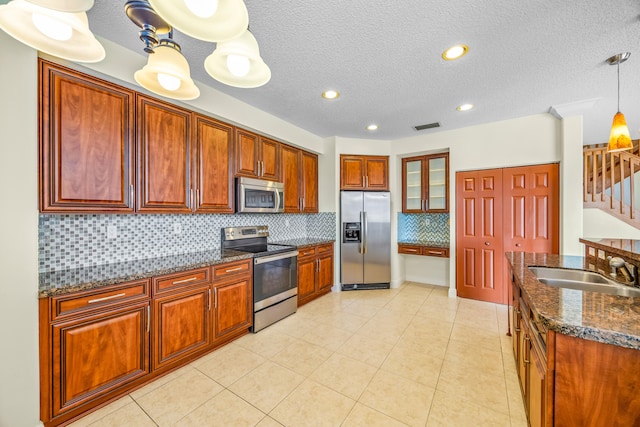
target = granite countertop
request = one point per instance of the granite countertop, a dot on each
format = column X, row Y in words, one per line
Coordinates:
column 81, row 279
column 627, row 248
column 303, row 242
column 609, row 319
column 428, row 243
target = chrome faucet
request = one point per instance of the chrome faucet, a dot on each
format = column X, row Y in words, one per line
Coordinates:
column 618, row 264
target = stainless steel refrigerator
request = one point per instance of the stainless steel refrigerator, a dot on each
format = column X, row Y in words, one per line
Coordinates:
column 365, row 250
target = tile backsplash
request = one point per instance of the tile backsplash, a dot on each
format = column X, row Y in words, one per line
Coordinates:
column 423, row 227
column 73, row 241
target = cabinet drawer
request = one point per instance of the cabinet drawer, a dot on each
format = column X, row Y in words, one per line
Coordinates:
column 302, row 253
column 409, row 249
column 176, row 281
column 325, row 249
column 441, row 252
column 232, row 269
column 85, row 302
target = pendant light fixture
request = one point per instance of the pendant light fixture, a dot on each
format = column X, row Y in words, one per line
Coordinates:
column 167, row 71
column 619, row 139
column 57, row 27
column 208, row 20
column 238, row 63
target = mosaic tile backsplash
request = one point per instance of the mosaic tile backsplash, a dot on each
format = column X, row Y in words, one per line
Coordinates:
column 74, row 241
column 423, row 227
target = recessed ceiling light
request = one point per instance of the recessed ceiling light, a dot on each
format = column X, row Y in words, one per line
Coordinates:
column 330, row 94
column 372, row 127
column 455, row 52
column 465, row 107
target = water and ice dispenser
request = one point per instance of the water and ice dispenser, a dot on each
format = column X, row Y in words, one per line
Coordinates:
column 350, row 232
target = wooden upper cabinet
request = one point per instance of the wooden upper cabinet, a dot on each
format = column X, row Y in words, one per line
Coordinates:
column 213, row 165
column 86, row 143
column 425, row 184
column 291, row 178
column 364, row 172
column 309, row 182
column 257, row 156
column 300, row 178
column 163, row 157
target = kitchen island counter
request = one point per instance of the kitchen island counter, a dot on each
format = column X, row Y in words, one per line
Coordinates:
column 593, row 316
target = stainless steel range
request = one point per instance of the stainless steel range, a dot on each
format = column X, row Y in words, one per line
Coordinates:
column 275, row 273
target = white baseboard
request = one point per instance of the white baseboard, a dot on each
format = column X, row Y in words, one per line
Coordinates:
column 452, row 293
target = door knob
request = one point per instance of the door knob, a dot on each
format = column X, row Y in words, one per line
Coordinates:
column 518, row 244
column 487, row 243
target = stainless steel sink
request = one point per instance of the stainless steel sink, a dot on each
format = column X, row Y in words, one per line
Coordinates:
column 583, row 281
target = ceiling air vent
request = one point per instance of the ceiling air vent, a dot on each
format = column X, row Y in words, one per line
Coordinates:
column 427, row 126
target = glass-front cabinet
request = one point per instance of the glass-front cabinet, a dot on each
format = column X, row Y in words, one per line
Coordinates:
column 425, row 183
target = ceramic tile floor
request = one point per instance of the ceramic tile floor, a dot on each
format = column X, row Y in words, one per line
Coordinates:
column 401, row 357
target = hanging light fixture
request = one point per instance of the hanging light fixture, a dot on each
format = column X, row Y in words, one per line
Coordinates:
column 167, row 71
column 209, row 20
column 238, row 63
column 619, row 139
column 57, row 27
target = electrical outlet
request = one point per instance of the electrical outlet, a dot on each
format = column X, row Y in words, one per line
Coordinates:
column 177, row 228
column 112, row 231
column 427, row 221
column 287, row 223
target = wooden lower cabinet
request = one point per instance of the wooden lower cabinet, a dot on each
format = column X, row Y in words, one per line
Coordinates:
column 97, row 354
column 412, row 249
column 96, row 346
column 570, row 381
column 233, row 307
column 180, row 325
column 315, row 272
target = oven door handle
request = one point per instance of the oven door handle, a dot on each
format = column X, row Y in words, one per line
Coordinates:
column 269, row 258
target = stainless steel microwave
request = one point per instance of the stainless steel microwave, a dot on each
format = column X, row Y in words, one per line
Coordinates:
column 259, row 196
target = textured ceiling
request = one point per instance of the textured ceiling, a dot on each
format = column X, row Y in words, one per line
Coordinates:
column 384, row 58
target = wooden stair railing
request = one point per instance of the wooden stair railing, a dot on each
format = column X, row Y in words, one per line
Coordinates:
column 603, row 171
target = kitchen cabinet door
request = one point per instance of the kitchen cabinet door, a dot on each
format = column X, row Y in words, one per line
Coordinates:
column 325, row 273
column 291, row 170
column 306, row 278
column 163, row 157
column 96, row 354
column 213, row 166
column 309, row 182
column 352, row 172
column 86, row 150
column 425, row 184
column 257, row 156
column 181, row 325
column 233, row 307
column 359, row 172
column 377, row 173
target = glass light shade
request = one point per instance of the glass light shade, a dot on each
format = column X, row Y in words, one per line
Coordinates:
column 16, row 19
column 71, row 6
column 164, row 66
column 246, row 46
column 229, row 21
column 619, row 139
column 202, row 8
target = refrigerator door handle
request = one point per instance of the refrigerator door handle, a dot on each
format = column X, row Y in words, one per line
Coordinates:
column 364, row 231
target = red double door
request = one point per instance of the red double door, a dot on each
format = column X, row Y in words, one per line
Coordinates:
column 502, row 210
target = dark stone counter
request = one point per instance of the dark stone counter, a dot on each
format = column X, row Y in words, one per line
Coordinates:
column 304, row 242
column 81, row 279
column 593, row 316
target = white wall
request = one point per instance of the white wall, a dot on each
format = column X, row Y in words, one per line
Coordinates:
column 19, row 390
column 601, row 225
column 523, row 141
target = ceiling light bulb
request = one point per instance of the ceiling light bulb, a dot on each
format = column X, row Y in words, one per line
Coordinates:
column 330, row 94
column 169, row 82
column 372, row 127
column 465, row 107
column 202, row 8
column 238, row 65
column 52, row 27
column 455, row 52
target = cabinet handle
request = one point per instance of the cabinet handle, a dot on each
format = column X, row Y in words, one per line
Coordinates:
column 209, row 295
column 318, row 265
column 300, row 204
column 93, row 301
column 191, row 197
column 148, row 318
column 526, row 338
column 197, row 197
column 367, row 181
column 517, row 329
column 190, row 279
column 435, row 252
column 133, row 202
column 215, row 297
column 262, row 168
column 363, row 182
column 231, row 270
